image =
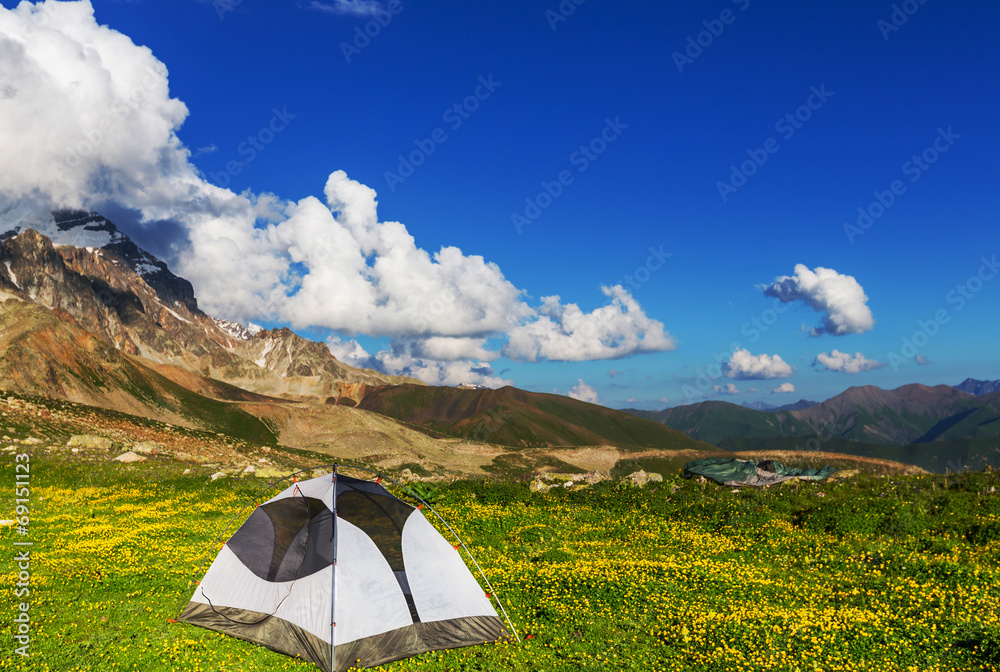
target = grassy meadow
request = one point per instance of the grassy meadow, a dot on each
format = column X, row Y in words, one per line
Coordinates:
column 887, row 573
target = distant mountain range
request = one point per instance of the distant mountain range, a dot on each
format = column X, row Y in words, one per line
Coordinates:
column 764, row 406
column 867, row 419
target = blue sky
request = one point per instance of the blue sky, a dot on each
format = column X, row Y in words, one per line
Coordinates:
column 556, row 82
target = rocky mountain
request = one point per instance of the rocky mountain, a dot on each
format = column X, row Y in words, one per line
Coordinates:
column 979, row 387
column 128, row 298
column 869, row 414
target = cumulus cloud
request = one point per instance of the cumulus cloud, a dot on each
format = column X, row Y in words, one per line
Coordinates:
column 400, row 359
column 784, row 388
column 744, row 366
column 845, row 362
column 725, row 390
column 89, row 116
column 583, row 392
column 839, row 297
column 566, row 333
column 350, row 7
column 921, row 360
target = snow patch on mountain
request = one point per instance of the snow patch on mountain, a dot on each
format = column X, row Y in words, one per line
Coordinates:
column 10, row 272
column 236, row 330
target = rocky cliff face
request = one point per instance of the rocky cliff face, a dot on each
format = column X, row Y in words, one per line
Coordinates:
column 127, row 298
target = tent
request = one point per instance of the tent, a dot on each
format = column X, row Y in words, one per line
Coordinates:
column 340, row 572
column 731, row 471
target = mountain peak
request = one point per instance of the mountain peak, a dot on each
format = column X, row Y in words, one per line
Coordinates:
column 979, row 388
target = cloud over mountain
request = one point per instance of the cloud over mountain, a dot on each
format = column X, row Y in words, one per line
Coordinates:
column 744, row 366
column 846, row 363
column 563, row 332
column 90, row 117
column 583, row 392
column 840, row 298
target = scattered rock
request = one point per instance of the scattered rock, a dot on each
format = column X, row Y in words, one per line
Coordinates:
column 186, row 472
column 90, row 442
column 74, row 450
column 217, row 475
column 537, row 485
column 568, row 484
column 406, row 475
column 146, row 448
column 130, row 457
column 31, row 441
column 641, row 478
column 250, row 470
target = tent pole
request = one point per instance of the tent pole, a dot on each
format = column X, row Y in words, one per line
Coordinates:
column 333, row 581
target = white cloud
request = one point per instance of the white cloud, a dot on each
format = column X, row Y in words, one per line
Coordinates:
column 566, row 333
column 839, row 297
column 450, row 349
column 583, row 392
column 89, row 116
column 351, row 7
column 744, row 366
column 846, row 363
column 921, row 360
column 784, row 388
column 724, row 390
column 399, row 359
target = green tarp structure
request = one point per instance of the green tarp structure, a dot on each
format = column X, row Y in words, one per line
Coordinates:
column 733, row 471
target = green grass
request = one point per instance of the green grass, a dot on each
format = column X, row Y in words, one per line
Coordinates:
column 878, row 573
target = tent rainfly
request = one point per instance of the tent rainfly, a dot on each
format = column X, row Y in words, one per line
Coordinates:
column 338, row 571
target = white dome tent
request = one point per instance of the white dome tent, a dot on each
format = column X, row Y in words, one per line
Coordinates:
column 340, row 572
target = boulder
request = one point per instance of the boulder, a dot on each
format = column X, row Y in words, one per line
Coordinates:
column 90, row 442
column 146, row 448
column 217, row 475
column 537, row 485
column 641, row 478
column 129, row 457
